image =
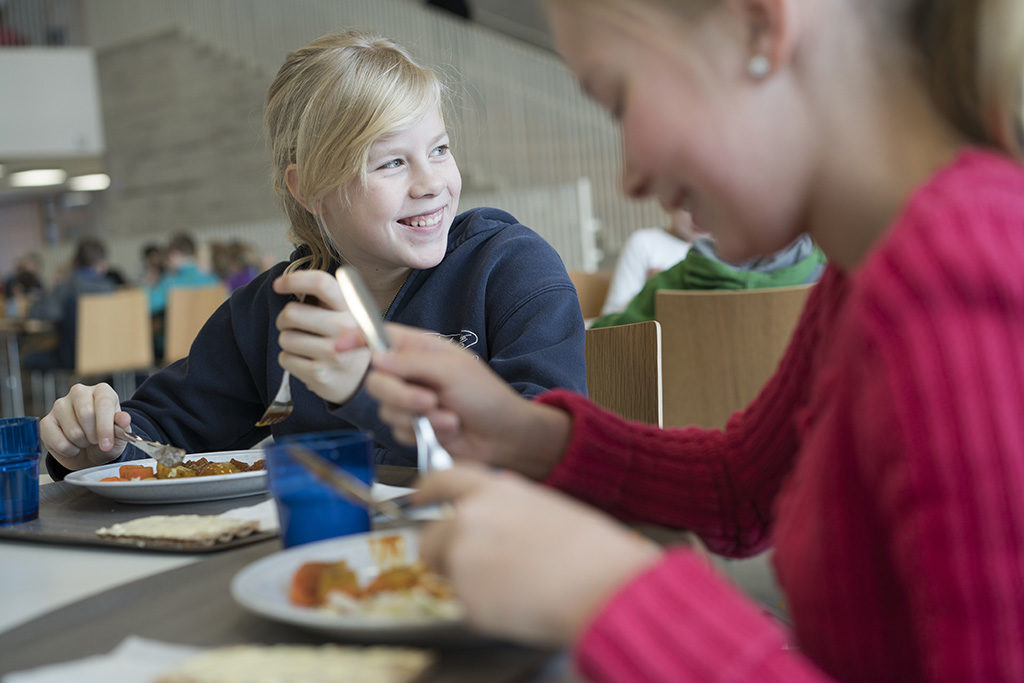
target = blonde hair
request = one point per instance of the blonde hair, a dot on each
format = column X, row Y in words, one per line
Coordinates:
column 973, row 57
column 330, row 101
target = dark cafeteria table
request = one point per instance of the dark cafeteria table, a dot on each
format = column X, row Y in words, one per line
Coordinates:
column 192, row 605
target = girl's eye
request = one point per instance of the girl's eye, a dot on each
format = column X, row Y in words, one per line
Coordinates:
column 394, row 163
column 439, row 151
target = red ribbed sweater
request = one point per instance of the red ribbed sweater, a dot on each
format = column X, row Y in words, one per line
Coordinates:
column 884, row 461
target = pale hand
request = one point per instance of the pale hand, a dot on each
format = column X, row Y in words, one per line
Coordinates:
column 528, row 563
column 475, row 414
column 79, row 430
column 307, row 334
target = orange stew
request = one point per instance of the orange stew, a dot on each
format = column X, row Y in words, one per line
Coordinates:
column 200, row 467
column 313, row 581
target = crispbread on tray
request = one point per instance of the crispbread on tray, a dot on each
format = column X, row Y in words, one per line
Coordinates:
column 302, row 664
column 199, row 530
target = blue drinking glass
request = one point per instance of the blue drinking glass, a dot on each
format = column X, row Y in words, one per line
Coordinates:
column 310, row 510
column 19, row 469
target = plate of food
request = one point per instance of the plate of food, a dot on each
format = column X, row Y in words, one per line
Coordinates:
column 365, row 587
column 202, row 476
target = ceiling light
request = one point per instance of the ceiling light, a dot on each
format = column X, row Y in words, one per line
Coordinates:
column 38, row 177
column 89, row 183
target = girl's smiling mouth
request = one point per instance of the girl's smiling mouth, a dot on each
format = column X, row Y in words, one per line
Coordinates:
column 426, row 220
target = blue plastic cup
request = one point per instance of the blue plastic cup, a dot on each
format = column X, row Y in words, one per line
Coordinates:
column 19, row 469
column 310, row 510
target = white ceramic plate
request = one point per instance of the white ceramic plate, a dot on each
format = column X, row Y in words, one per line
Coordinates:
column 262, row 587
column 188, row 490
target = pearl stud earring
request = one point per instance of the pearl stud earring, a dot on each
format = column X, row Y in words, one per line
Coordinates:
column 759, row 66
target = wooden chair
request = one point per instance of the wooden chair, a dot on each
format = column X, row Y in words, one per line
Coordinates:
column 721, row 347
column 114, row 337
column 188, row 309
column 624, row 370
column 592, row 289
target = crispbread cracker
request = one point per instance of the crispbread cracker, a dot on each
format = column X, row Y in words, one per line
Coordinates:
column 301, row 664
column 202, row 530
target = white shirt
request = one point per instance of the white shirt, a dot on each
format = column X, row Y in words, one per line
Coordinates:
column 645, row 250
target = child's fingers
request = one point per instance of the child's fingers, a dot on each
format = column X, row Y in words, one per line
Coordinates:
column 314, row 285
column 397, row 394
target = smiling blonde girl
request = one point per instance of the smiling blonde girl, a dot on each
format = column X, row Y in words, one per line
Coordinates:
column 363, row 167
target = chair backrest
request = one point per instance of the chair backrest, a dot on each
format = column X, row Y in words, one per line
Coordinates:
column 188, row 309
column 624, row 370
column 721, row 347
column 592, row 289
column 114, row 333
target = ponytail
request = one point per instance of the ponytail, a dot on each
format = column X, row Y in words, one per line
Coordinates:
column 973, row 55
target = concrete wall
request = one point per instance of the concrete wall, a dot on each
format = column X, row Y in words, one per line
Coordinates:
column 186, row 151
column 519, row 120
column 183, row 126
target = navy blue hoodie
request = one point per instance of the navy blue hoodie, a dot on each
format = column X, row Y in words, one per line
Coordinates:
column 501, row 291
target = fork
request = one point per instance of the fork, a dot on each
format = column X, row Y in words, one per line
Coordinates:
column 165, row 454
column 281, row 407
column 430, row 454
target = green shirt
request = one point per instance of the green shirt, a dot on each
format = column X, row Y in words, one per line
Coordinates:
column 701, row 271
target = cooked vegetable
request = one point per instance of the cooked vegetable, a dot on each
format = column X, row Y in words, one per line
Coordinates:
column 303, row 590
column 135, row 472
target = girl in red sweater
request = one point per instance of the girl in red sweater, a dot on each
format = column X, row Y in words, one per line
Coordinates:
column 884, row 460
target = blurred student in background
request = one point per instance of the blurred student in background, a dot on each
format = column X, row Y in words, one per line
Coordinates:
column 235, row 263
column 88, row 275
column 245, row 263
column 154, row 264
column 799, row 263
column 646, row 253
column 115, row 276
column 183, row 270
column 25, row 285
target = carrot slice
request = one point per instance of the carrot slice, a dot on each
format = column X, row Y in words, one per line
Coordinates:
column 303, row 589
column 135, row 472
column 113, row 479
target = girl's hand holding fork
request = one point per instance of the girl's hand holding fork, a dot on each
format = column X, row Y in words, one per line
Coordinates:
column 308, row 332
column 79, row 430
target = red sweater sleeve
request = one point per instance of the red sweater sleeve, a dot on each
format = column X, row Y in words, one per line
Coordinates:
column 680, row 622
column 718, row 483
